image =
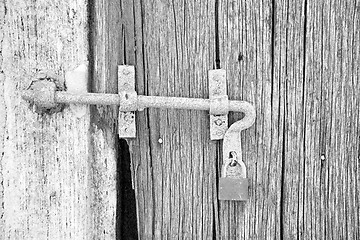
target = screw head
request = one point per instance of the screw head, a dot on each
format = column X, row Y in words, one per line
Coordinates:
column 219, row 122
column 126, row 71
column 129, row 118
column 219, row 133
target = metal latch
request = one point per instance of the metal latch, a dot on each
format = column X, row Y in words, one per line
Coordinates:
column 233, row 184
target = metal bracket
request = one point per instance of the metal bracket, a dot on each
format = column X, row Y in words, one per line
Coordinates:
column 128, row 97
column 218, row 103
column 45, row 95
column 218, row 99
column 234, row 185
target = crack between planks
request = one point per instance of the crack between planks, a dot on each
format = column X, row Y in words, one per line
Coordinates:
column 304, row 118
column 217, row 36
column 283, row 167
column 216, row 220
column 357, row 234
column 282, row 198
column 91, row 36
column 148, row 117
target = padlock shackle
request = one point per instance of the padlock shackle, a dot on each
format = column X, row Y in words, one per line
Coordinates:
column 243, row 173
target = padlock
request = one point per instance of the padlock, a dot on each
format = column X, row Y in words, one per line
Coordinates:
column 233, row 185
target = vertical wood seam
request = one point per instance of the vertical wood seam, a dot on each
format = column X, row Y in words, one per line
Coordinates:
column 304, row 118
column 217, row 36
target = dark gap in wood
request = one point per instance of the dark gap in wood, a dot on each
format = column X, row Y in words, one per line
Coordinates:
column 146, row 85
column 216, row 228
column 282, row 198
column 272, row 52
column 217, row 37
column 218, row 153
column 214, row 225
column 273, row 29
column 126, row 227
column 118, row 192
column 91, row 32
column 283, row 165
column 125, row 61
column 146, row 92
column 304, row 117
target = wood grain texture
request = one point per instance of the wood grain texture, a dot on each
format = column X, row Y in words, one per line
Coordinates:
column 289, row 54
column 299, row 61
column 332, row 100
column 174, row 180
column 245, row 47
column 2, row 116
column 52, row 186
column 105, row 52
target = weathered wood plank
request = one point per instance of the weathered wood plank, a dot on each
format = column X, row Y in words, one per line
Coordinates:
column 298, row 63
column 332, row 142
column 174, row 180
column 289, row 53
column 53, row 185
column 106, row 54
column 308, row 116
column 245, row 30
column 43, row 156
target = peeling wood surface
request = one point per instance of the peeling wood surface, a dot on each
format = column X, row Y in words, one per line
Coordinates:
column 53, row 186
column 298, row 62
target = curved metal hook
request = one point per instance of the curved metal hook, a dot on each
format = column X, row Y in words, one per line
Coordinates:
column 232, row 137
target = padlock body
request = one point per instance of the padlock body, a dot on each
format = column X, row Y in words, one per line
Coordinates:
column 235, row 189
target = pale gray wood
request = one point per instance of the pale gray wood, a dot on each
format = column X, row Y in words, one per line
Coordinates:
column 305, row 80
column 332, row 209
column 289, row 54
column 56, row 183
column 2, row 117
column 245, row 47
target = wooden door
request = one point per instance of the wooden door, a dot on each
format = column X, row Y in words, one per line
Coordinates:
column 296, row 61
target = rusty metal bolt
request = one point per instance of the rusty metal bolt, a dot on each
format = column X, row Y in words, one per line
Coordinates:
column 41, row 93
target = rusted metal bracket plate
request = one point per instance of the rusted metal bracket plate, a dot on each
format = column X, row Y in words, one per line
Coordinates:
column 126, row 84
column 218, row 93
